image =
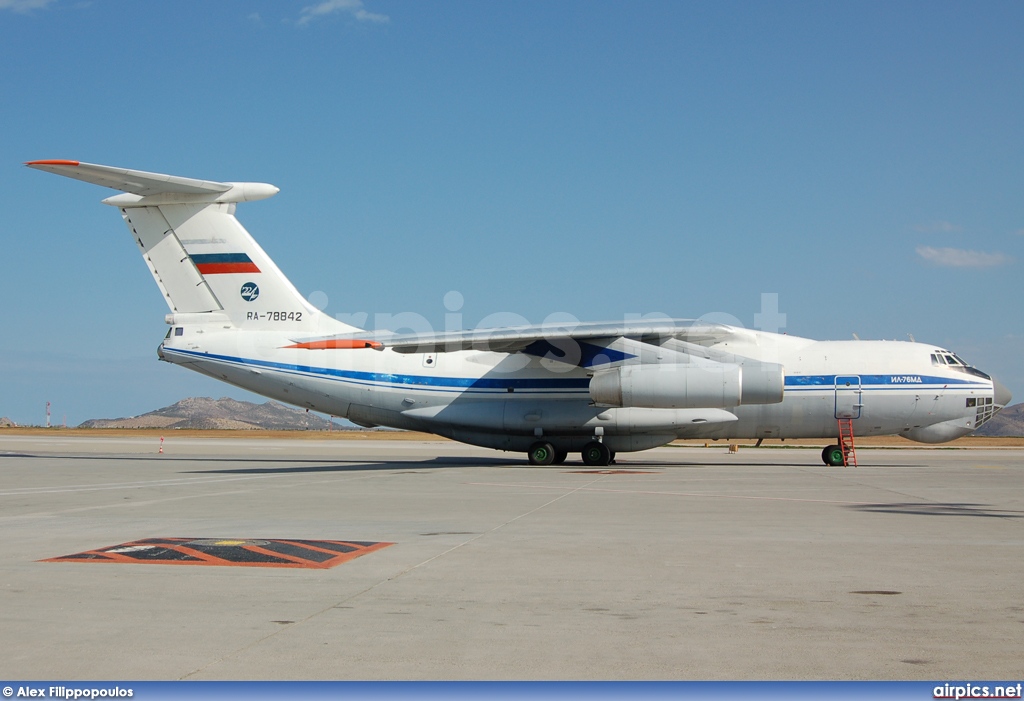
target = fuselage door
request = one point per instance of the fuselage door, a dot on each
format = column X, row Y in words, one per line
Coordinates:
column 849, row 397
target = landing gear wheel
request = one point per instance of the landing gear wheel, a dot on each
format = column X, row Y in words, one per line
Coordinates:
column 560, row 456
column 596, row 454
column 611, row 457
column 541, row 453
column 833, row 456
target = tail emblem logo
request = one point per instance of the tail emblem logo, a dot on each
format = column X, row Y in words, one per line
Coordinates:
column 250, row 291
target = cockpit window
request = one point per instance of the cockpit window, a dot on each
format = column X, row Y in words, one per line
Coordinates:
column 169, row 335
column 954, row 361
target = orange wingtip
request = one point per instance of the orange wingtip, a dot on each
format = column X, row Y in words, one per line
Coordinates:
column 52, row 163
column 338, row 343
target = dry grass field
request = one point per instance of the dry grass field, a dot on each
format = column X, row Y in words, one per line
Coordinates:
column 255, row 434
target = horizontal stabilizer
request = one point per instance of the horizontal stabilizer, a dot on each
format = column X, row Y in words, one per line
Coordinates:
column 137, row 182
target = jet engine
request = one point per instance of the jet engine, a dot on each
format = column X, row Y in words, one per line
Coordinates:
column 686, row 386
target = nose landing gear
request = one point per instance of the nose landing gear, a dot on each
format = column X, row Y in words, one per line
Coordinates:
column 844, row 454
column 833, row 456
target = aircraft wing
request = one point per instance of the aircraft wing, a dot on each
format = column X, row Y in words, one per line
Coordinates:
column 517, row 338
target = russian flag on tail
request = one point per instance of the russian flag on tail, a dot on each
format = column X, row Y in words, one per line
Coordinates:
column 216, row 263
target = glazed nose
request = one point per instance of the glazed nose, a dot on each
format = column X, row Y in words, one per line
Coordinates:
column 1002, row 395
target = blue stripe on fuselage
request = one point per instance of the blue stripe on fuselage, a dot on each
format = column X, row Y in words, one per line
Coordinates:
column 894, row 380
column 428, row 381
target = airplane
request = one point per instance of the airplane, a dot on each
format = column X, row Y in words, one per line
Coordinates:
column 546, row 390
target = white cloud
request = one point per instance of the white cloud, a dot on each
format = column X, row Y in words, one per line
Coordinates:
column 329, row 7
column 959, row 258
column 24, row 5
column 938, row 227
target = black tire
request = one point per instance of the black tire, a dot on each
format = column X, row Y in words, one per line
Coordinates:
column 541, row 453
column 833, row 456
column 560, row 456
column 596, row 454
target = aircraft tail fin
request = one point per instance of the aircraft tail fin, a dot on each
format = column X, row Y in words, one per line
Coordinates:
column 201, row 257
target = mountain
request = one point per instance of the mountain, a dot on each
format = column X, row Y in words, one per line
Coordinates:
column 223, row 413
column 1008, row 422
column 5, row 422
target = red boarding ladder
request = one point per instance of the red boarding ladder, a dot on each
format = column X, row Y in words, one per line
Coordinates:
column 846, row 442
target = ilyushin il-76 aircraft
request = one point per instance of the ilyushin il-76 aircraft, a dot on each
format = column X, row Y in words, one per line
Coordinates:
column 545, row 390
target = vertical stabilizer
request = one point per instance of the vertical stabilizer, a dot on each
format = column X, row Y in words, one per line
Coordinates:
column 201, row 257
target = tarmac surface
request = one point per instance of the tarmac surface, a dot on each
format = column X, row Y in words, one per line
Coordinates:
column 675, row 563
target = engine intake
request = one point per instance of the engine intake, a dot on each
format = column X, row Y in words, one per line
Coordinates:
column 688, row 386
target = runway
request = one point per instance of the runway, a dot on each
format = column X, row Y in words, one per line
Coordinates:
column 675, row 563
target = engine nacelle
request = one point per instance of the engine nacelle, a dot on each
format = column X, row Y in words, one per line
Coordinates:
column 686, row 386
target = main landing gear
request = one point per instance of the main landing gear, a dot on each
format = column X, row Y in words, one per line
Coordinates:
column 594, row 454
column 597, row 454
column 543, row 453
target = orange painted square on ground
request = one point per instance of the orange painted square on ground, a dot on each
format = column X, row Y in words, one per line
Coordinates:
column 229, row 552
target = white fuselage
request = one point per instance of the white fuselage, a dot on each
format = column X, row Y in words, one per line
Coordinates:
column 507, row 400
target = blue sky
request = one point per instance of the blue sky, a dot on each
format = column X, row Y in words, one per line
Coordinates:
column 864, row 160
